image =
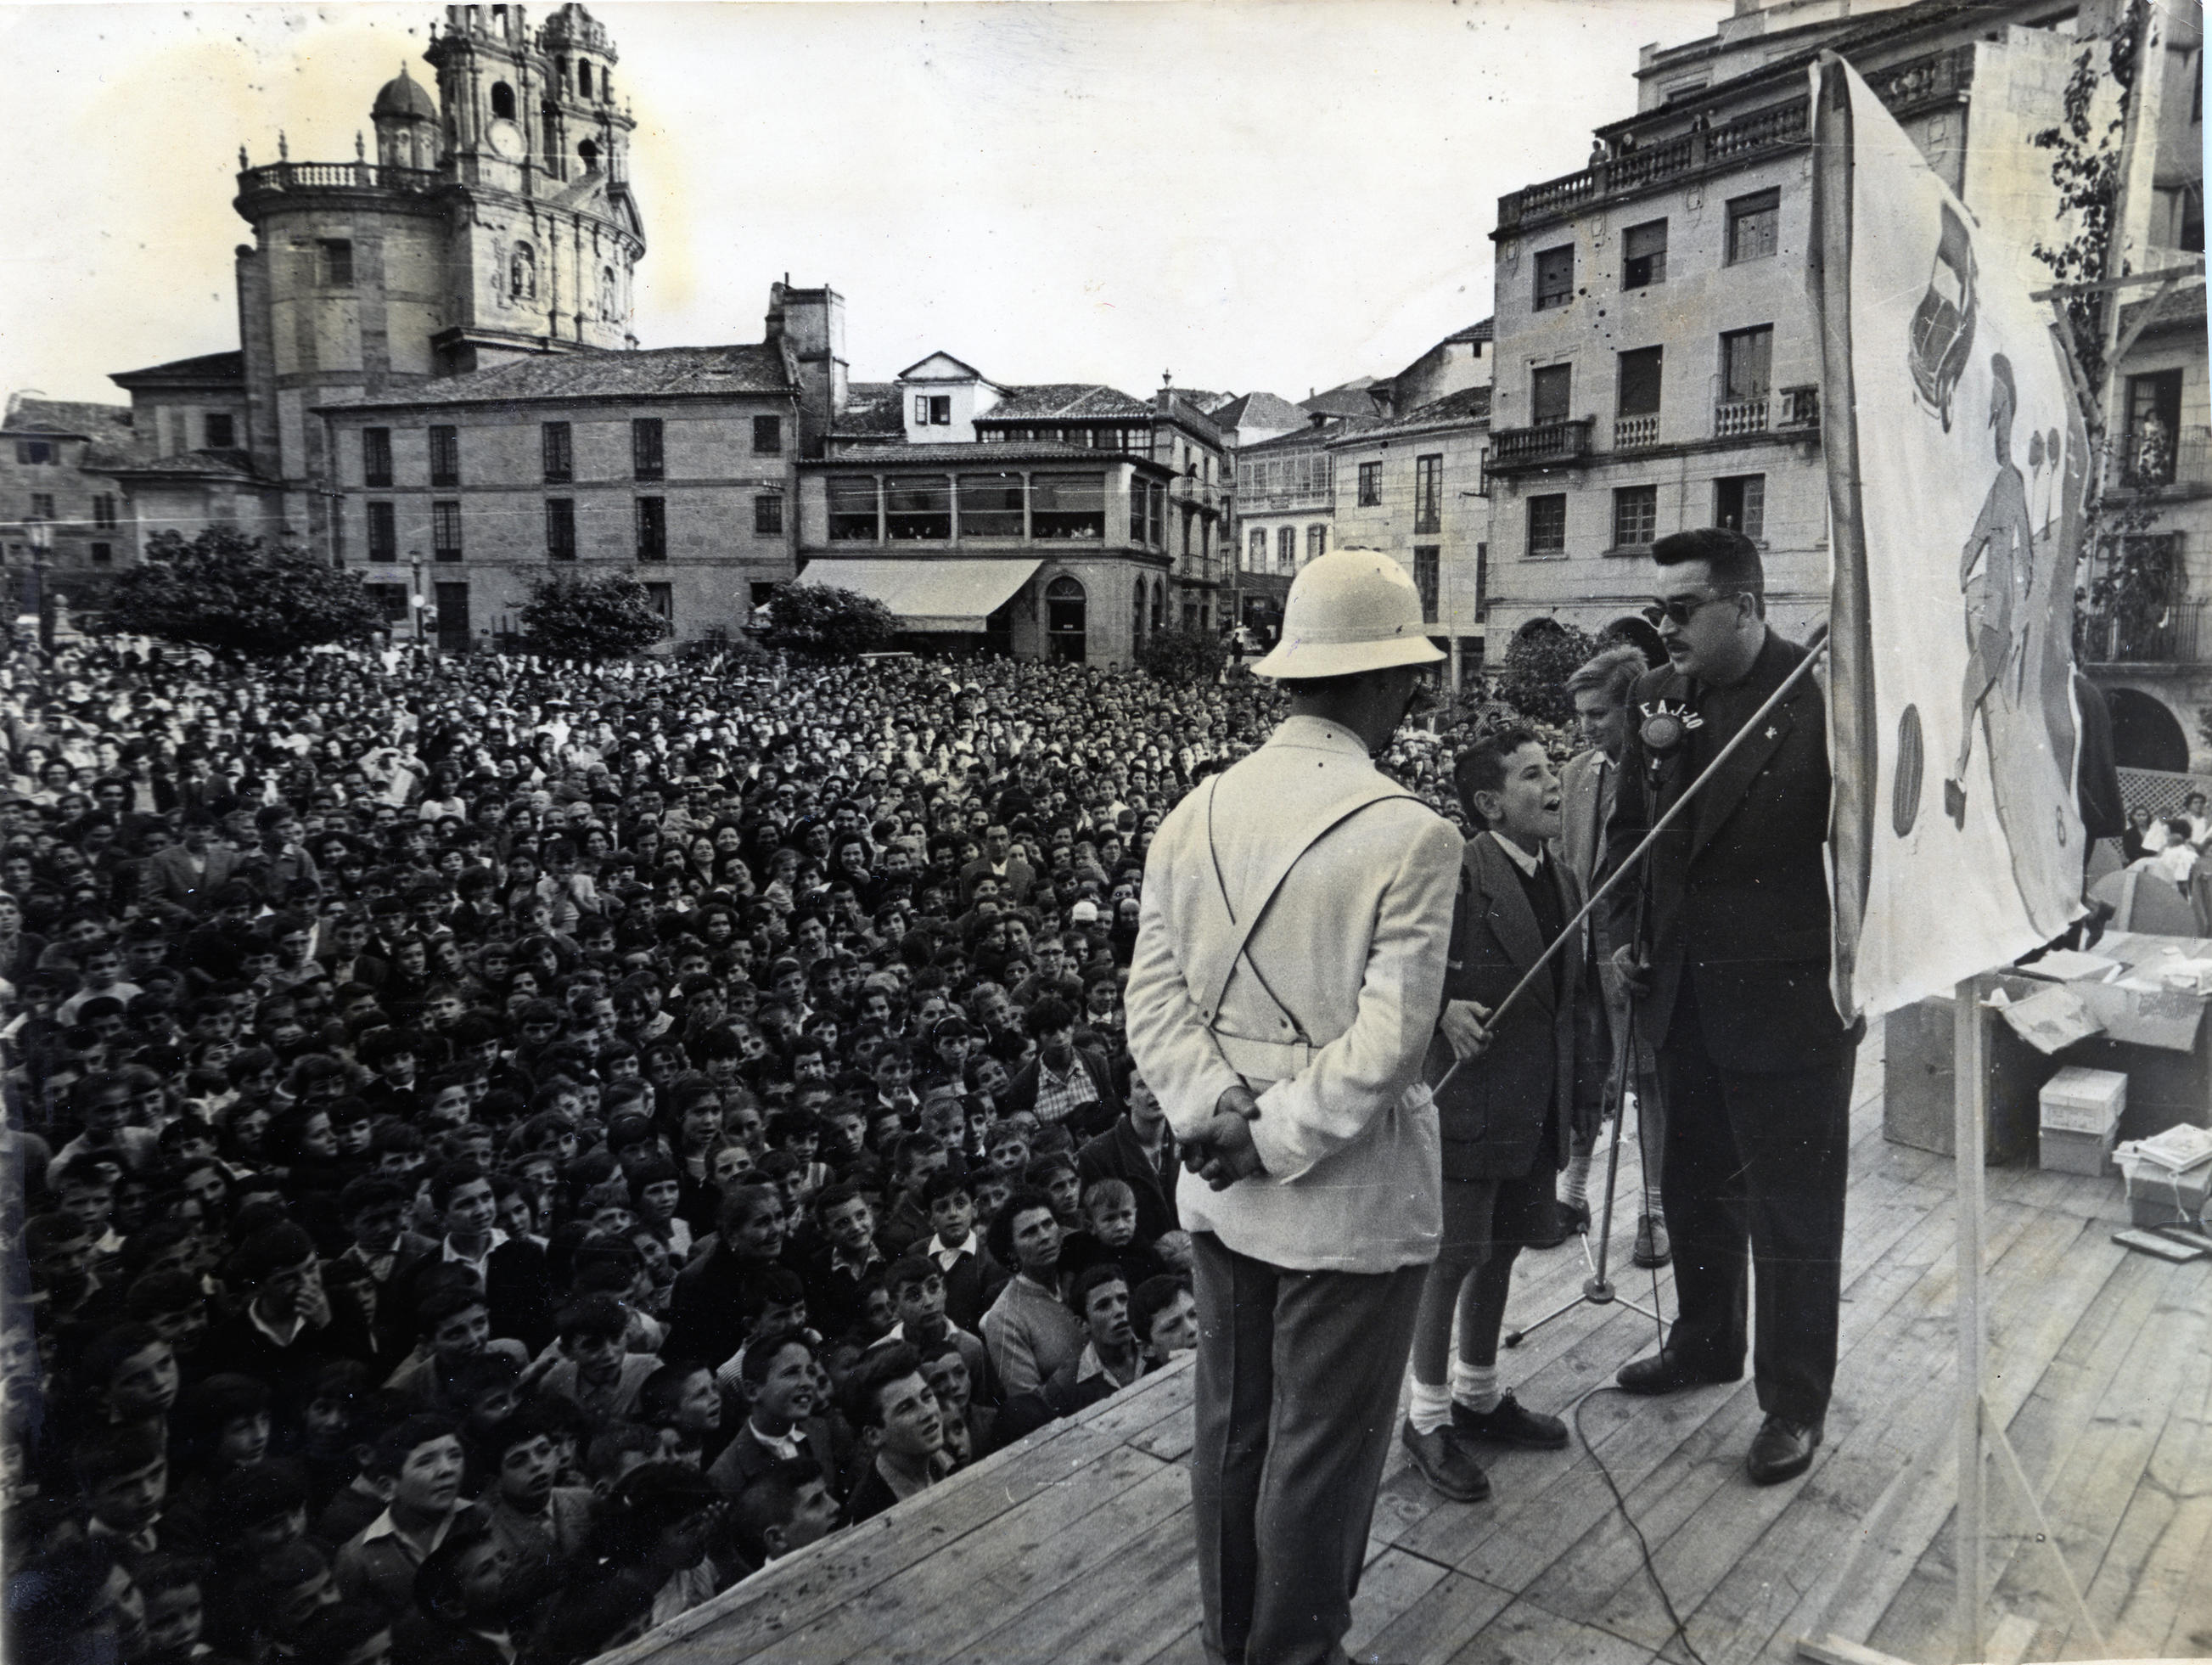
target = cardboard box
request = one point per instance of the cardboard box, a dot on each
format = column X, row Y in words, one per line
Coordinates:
column 1918, row 1083
column 2058, row 1151
column 2079, row 1101
column 2157, row 1197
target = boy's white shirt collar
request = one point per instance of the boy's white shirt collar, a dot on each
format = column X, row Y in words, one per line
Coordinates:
column 1520, row 858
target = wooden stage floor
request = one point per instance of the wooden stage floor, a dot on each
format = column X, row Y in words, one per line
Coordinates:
column 1076, row 1545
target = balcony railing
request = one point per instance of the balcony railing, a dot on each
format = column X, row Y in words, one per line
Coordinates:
column 2175, row 635
column 2150, row 461
column 1787, row 410
column 1542, row 446
column 1934, row 78
column 1633, row 433
column 336, row 176
column 1732, row 418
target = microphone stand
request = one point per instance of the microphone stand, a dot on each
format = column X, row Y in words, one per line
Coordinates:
column 1597, row 1290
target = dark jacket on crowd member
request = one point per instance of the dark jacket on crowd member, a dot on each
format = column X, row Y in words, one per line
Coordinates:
column 1022, row 1094
column 1119, row 1154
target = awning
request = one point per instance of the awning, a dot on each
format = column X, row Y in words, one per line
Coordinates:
column 929, row 594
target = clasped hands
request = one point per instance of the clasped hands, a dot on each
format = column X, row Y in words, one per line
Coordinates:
column 1222, row 1152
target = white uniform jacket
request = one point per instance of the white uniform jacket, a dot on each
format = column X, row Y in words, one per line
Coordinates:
column 1325, row 1015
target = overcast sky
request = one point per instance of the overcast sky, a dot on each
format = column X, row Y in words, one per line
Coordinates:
column 1249, row 194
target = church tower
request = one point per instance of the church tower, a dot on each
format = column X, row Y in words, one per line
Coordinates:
column 545, row 233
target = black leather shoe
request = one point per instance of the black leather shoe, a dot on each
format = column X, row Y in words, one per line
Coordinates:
column 1510, row 1422
column 1782, row 1450
column 1665, row 1372
column 1568, row 1220
column 1652, row 1248
column 1444, row 1465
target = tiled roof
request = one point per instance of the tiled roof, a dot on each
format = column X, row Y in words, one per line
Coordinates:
column 1064, row 398
column 208, row 367
column 753, row 367
column 1310, row 435
column 985, row 454
column 199, row 465
column 1260, row 410
column 1483, row 332
column 1349, row 399
column 78, row 418
column 870, row 407
column 1468, row 405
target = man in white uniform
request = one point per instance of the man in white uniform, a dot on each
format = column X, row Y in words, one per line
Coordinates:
column 1288, row 974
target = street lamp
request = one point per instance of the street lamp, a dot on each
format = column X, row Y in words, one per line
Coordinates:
column 42, row 602
column 414, row 593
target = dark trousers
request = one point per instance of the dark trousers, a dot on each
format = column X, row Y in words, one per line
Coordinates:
column 1298, row 1375
column 1759, row 1159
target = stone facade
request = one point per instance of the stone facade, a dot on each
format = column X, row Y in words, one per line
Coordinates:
column 480, row 484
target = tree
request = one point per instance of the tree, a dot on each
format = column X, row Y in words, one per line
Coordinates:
column 1182, row 657
column 242, row 596
column 820, row 621
column 1544, row 653
column 601, row 618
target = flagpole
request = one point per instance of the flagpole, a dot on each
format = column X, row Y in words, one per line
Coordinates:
column 1818, row 645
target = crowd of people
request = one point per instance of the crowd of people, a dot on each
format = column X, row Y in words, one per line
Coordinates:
column 501, row 1151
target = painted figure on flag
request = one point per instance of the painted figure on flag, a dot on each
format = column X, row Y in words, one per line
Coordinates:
column 1996, row 572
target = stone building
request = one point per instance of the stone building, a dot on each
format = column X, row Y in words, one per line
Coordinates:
column 58, row 502
column 1657, row 365
column 1286, row 502
column 453, row 497
column 494, row 221
column 1414, row 487
column 1068, row 519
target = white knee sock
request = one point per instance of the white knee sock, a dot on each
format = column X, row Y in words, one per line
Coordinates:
column 1651, row 1202
column 1474, row 1386
column 1431, row 1408
column 1578, row 1175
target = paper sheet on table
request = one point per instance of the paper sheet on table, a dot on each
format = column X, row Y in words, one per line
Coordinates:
column 2069, row 965
column 2050, row 1019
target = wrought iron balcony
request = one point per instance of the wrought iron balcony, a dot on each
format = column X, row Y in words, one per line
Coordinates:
column 2174, row 634
column 1545, row 445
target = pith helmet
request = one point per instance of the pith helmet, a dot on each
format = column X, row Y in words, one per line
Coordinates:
column 1349, row 611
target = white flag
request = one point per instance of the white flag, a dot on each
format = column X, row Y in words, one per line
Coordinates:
column 1956, row 463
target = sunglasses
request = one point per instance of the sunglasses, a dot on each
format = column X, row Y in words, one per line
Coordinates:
column 1679, row 610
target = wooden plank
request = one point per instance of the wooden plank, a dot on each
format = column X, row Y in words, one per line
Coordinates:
column 936, row 1607
column 1526, row 1633
column 1707, row 1525
column 827, row 1575
column 1389, row 1583
column 2078, row 1299
column 1836, row 1650
column 2138, row 1418
column 1570, row 1493
column 1763, row 1605
column 2104, row 1463
column 1127, row 1608
column 1437, row 1624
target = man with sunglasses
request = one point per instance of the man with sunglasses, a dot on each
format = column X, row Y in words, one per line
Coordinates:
column 1727, row 953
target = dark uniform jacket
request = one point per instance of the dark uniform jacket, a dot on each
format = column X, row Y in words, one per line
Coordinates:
column 1739, row 887
column 1496, row 1111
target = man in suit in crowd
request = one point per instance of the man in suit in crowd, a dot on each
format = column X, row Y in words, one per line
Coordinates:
column 1288, row 974
column 1755, row 1063
column 1600, row 691
column 1015, row 877
column 185, row 877
column 1506, row 1116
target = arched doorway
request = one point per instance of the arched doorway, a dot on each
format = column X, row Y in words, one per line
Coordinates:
column 1137, row 619
column 1160, row 604
column 2145, row 734
column 1066, row 620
